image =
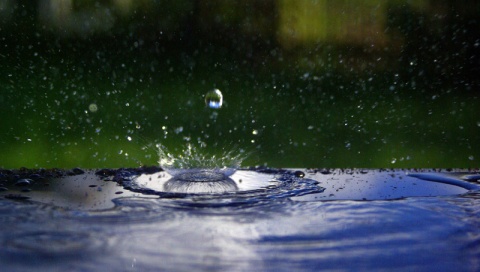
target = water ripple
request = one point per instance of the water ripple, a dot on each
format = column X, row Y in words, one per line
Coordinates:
column 254, row 186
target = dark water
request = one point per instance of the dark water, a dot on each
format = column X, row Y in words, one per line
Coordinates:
column 276, row 220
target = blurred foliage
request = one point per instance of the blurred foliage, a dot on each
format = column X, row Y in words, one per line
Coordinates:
column 323, row 83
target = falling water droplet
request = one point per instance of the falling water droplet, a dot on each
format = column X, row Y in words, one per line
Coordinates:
column 214, row 99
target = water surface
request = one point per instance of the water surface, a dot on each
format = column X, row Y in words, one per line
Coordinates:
column 322, row 220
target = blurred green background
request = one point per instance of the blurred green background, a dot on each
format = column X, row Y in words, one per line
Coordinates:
column 378, row 83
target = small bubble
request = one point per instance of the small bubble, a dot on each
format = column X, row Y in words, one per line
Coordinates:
column 129, row 138
column 394, row 160
column 299, row 174
column 255, row 132
column 471, row 157
column 93, row 107
column 214, row 99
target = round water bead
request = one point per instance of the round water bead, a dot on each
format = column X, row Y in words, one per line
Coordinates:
column 214, row 99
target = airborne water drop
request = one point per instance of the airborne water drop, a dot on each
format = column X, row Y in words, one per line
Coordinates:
column 214, row 99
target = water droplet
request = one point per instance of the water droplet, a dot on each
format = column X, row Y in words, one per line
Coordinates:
column 214, row 99
column 93, row 107
column 299, row 174
column 23, row 182
column 394, row 160
column 471, row 157
column 178, row 130
column 255, row 132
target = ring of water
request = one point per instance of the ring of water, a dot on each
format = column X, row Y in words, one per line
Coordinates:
column 201, row 176
column 243, row 186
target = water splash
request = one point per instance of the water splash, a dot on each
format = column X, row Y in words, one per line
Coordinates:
column 246, row 186
column 206, row 166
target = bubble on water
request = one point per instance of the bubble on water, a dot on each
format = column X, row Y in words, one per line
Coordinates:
column 471, row 157
column 299, row 174
column 214, row 99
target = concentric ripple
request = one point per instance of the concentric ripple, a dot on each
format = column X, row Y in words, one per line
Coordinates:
column 243, row 186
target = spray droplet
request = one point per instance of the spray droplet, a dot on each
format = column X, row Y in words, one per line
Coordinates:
column 93, row 107
column 214, row 99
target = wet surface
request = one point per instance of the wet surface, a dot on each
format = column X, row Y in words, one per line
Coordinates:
column 300, row 219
